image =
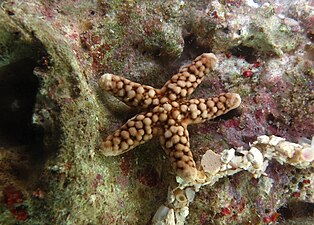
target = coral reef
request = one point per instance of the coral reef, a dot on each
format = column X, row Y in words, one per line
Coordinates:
column 53, row 114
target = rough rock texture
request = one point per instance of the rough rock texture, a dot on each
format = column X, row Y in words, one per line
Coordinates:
column 53, row 115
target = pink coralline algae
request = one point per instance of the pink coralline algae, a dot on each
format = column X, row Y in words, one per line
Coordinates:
column 14, row 202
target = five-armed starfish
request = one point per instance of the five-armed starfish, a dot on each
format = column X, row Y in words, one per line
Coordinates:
column 168, row 112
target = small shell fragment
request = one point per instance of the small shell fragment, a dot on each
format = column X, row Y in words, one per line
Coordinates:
column 211, row 162
column 164, row 216
column 227, row 155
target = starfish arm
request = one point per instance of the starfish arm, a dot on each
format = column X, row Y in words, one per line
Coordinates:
column 134, row 132
column 175, row 142
column 183, row 84
column 131, row 93
column 199, row 110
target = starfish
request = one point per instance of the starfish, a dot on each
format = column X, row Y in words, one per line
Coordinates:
column 166, row 113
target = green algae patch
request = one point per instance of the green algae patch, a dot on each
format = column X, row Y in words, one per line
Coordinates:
column 271, row 35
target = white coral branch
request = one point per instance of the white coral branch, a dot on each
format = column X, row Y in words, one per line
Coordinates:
column 255, row 160
column 215, row 166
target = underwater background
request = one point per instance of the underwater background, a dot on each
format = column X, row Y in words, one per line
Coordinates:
column 54, row 115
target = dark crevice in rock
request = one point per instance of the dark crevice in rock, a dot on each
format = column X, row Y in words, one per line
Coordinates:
column 18, row 89
column 248, row 53
column 22, row 148
column 191, row 48
column 295, row 210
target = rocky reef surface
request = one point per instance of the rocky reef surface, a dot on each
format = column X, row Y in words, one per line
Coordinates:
column 53, row 114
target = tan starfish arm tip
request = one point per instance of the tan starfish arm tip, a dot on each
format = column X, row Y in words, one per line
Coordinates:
column 183, row 84
column 105, row 81
column 175, row 141
column 131, row 93
column 134, row 132
column 233, row 101
column 209, row 59
column 189, row 174
column 199, row 110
